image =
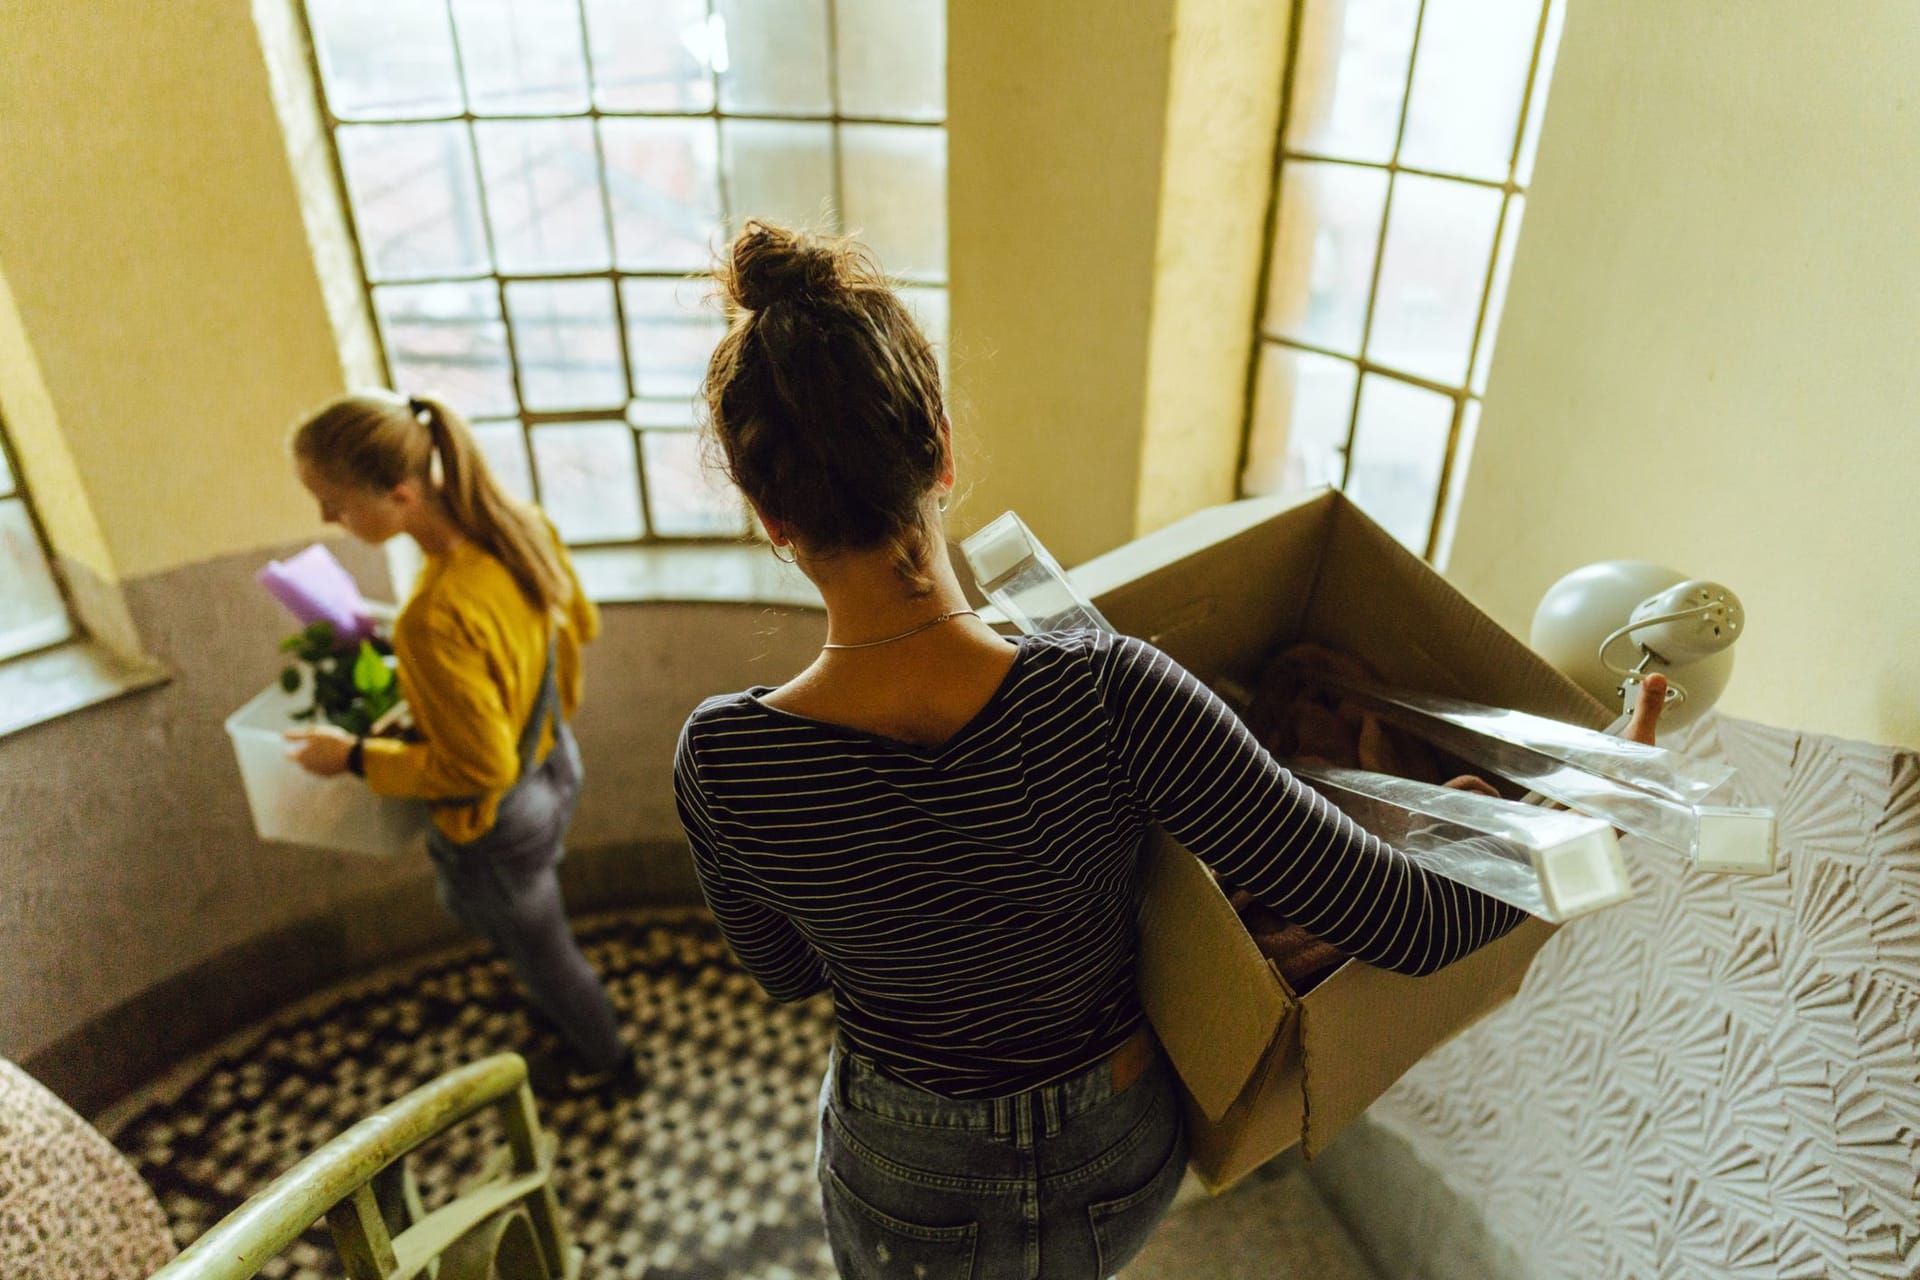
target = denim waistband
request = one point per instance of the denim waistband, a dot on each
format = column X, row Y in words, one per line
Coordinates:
column 861, row 1083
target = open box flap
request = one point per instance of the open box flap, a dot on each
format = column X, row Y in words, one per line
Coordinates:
column 1378, row 601
column 1221, row 589
column 1212, row 998
column 1364, row 1028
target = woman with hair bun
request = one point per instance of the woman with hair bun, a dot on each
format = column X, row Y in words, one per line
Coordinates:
column 489, row 654
column 943, row 828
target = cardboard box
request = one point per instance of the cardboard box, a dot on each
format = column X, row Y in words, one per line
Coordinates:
column 1221, row 592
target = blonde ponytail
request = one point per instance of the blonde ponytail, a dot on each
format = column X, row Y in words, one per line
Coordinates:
column 511, row 532
column 379, row 441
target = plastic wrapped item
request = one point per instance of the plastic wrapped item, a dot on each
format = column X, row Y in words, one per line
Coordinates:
column 1549, row 863
column 1027, row 583
column 1672, row 799
column 290, row 804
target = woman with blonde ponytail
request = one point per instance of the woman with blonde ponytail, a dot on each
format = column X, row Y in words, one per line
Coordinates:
column 489, row 653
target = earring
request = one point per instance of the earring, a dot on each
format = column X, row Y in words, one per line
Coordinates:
column 775, row 548
column 941, row 504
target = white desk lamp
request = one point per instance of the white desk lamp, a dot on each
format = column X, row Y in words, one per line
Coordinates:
column 1609, row 625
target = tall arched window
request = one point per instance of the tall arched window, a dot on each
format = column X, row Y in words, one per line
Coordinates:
column 1407, row 146
column 536, row 186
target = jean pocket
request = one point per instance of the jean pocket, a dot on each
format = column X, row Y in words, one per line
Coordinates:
column 1122, row 1226
column 870, row 1244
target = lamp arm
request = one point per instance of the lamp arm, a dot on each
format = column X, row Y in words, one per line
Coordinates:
column 1645, row 622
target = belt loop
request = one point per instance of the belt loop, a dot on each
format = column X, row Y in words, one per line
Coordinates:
column 1050, row 1106
column 1002, row 1122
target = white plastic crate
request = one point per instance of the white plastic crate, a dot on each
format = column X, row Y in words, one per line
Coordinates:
column 293, row 805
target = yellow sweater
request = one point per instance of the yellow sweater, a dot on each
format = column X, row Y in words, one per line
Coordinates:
column 472, row 651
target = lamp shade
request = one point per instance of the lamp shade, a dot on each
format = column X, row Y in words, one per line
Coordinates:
column 1579, row 612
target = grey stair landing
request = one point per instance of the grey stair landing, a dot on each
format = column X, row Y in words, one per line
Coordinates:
column 1272, row 1226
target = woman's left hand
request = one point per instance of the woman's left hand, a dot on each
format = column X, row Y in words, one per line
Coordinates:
column 321, row 750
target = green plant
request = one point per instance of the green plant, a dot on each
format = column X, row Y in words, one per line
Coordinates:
column 353, row 687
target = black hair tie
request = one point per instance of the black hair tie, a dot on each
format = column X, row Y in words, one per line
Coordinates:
column 416, row 406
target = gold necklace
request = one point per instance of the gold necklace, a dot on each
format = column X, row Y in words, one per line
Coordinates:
column 948, row 616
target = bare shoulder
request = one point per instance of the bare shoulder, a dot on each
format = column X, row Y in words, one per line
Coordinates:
column 923, row 696
column 803, row 694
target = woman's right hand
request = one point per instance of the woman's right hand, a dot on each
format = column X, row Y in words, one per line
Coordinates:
column 322, row 750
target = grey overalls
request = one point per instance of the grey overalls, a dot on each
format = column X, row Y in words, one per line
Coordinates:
column 503, row 885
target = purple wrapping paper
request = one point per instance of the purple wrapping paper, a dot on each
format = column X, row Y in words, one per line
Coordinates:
column 315, row 588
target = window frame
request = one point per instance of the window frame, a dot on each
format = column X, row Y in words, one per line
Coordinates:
column 530, row 421
column 99, row 658
column 1466, row 401
column 21, row 493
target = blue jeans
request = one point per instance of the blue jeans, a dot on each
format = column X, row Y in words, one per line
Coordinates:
column 1065, row 1182
column 504, row 886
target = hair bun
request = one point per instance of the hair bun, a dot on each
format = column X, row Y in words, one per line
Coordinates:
column 770, row 264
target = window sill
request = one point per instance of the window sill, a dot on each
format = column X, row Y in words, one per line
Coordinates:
column 709, row 573
column 663, row 573
column 46, row 686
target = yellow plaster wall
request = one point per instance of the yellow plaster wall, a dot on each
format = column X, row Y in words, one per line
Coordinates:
column 155, row 251
column 1707, row 356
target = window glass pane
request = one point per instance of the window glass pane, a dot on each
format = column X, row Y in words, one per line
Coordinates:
column 386, row 59
column 928, row 304
column 893, row 58
column 650, row 57
column 448, row 339
column 1325, row 240
column 416, row 201
column 1468, row 79
column 1432, row 273
column 1497, row 292
column 505, row 447
column 687, row 499
column 32, row 614
column 663, row 180
column 671, row 332
column 930, row 310
column 568, row 344
column 440, row 205
column 1542, row 84
column 1351, row 77
column 778, row 171
column 894, row 180
column 1303, row 405
column 522, row 57
column 1456, row 483
column 1399, row 447
column 671, row 413
column 776, row 57
column 588, row 486
column 543, row 195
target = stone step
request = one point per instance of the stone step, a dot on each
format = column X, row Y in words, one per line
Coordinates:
column 1274, row 1224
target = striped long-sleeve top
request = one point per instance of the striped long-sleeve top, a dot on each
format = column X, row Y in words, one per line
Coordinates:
column 971, row 905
